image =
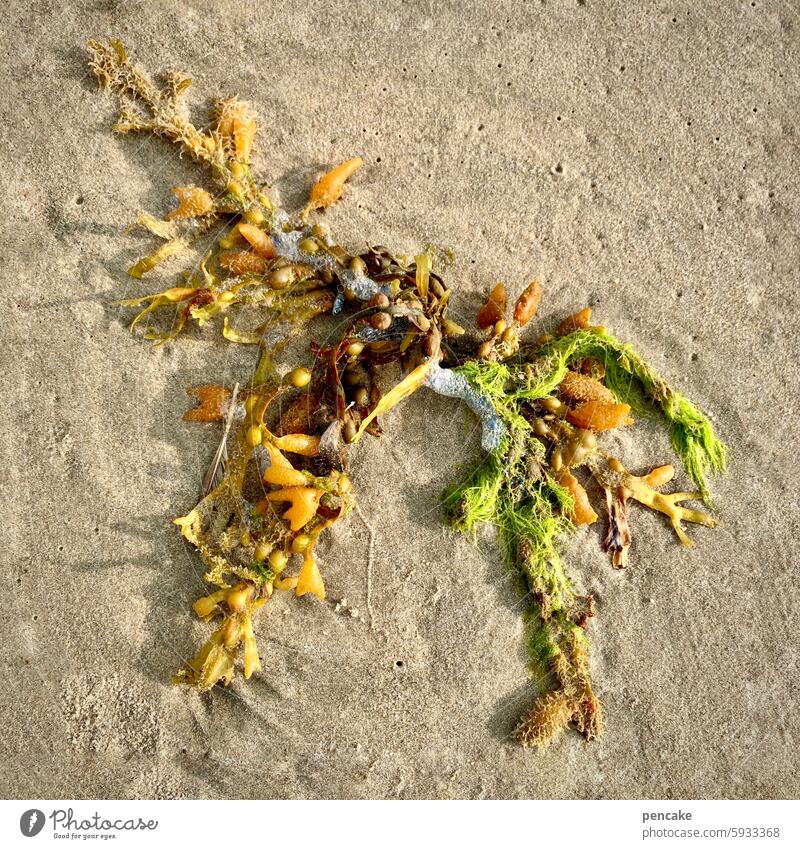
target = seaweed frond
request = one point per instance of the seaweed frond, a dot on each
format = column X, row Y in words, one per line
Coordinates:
column 530, row 510
column 475, row 501
column 145, row 105
column 628, row 374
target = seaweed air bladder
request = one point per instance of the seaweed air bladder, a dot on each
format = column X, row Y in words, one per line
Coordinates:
column 278, row 480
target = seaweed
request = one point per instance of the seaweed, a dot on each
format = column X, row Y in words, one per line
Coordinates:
column 526, row 491
column 278, row 479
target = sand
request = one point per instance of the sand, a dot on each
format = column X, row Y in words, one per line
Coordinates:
column 642, row 158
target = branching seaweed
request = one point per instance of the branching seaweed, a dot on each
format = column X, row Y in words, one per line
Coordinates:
column 278, row 478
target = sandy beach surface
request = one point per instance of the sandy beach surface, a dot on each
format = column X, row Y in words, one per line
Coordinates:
column 641, row 158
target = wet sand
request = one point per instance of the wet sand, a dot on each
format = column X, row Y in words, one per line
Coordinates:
column 643, row 160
